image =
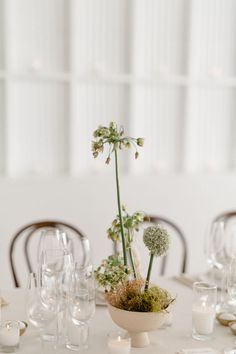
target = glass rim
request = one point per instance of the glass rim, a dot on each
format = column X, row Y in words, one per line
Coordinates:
column 204, row 285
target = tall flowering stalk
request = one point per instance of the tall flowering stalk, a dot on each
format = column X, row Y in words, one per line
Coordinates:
column 157, row 241
column 131, row 224
column 123, row 284
column 114, row 138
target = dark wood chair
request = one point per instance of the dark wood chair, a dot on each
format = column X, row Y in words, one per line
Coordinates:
column 225, row 216
column 178, row 237
column 32, row 231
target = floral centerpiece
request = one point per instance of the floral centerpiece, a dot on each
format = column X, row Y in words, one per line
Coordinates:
column 119, row 275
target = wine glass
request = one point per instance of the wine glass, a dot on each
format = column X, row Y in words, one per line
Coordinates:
column 214, row 245
column 53, row 239
column 79, row 313
column 231, row 283
column 81, row 307
column 40, row 311
column 231, row 288
column 218, row 258
column 57, row 266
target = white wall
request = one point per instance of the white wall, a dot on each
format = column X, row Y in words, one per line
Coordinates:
column 165, row 69
column 89, row 202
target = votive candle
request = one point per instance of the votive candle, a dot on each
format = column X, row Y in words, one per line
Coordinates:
column 203, row 310
column 203, row 319
column 9, row 334
column 118, row 344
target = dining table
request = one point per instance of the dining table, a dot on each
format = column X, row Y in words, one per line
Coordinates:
column 169, row 339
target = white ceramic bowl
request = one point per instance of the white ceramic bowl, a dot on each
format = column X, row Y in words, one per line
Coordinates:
column 137, row 323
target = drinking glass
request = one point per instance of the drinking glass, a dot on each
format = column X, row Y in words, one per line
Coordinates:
column 56, row 267
column 214, row 245
column 81, row 307
column 53, row 239
column 79, row 313
column 231, row 283
column 231, row 288
column 40, row 311
column 218, row 257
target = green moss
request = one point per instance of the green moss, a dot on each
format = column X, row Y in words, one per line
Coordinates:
column 132, row 297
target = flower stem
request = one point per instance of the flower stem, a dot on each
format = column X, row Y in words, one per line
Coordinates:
column 149, row 271
column 119, row 210
column 131, row 256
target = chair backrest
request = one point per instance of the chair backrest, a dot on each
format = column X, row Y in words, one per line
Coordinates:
column 28, row 237
column 177, row 237
column 226, row 216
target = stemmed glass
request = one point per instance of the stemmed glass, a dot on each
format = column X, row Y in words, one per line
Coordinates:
column 231, row 283
column 53, row 239
column 56, row 266
column 221, row 250
column 217, row 258
column 214, row 245
column 231, row 288
column 81, row 307
column 41, row 309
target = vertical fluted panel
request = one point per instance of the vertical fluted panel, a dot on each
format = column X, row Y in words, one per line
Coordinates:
column 46, row 125
column 98, row 30
column 2, row 116
column 36, row 110
column 2, row 129
column 159, row 51
column 209, row 108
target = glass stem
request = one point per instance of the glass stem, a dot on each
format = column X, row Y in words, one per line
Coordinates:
column 41, row 339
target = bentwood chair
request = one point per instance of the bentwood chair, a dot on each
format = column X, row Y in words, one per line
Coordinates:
column 24, row 245
column 226, row 216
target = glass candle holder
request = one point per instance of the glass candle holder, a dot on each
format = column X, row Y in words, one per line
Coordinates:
column 204, row 310
column 118, row 342
column 9, row 336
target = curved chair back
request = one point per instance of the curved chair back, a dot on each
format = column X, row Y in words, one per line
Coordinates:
column 226, row 216
column 28, row 237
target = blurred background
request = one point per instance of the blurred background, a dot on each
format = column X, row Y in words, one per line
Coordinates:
column 164, row 69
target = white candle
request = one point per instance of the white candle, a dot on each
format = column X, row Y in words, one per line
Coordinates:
column 9, row 335
column 119, row 345
column 203, row 319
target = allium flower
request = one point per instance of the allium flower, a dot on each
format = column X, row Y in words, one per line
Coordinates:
column 156, row 239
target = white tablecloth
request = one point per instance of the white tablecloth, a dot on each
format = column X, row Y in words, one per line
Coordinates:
column 163, row 341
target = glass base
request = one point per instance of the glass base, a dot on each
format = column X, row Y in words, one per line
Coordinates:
column 201, row 336
column 48, row 337
column 8, row 348
column 76, row 347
